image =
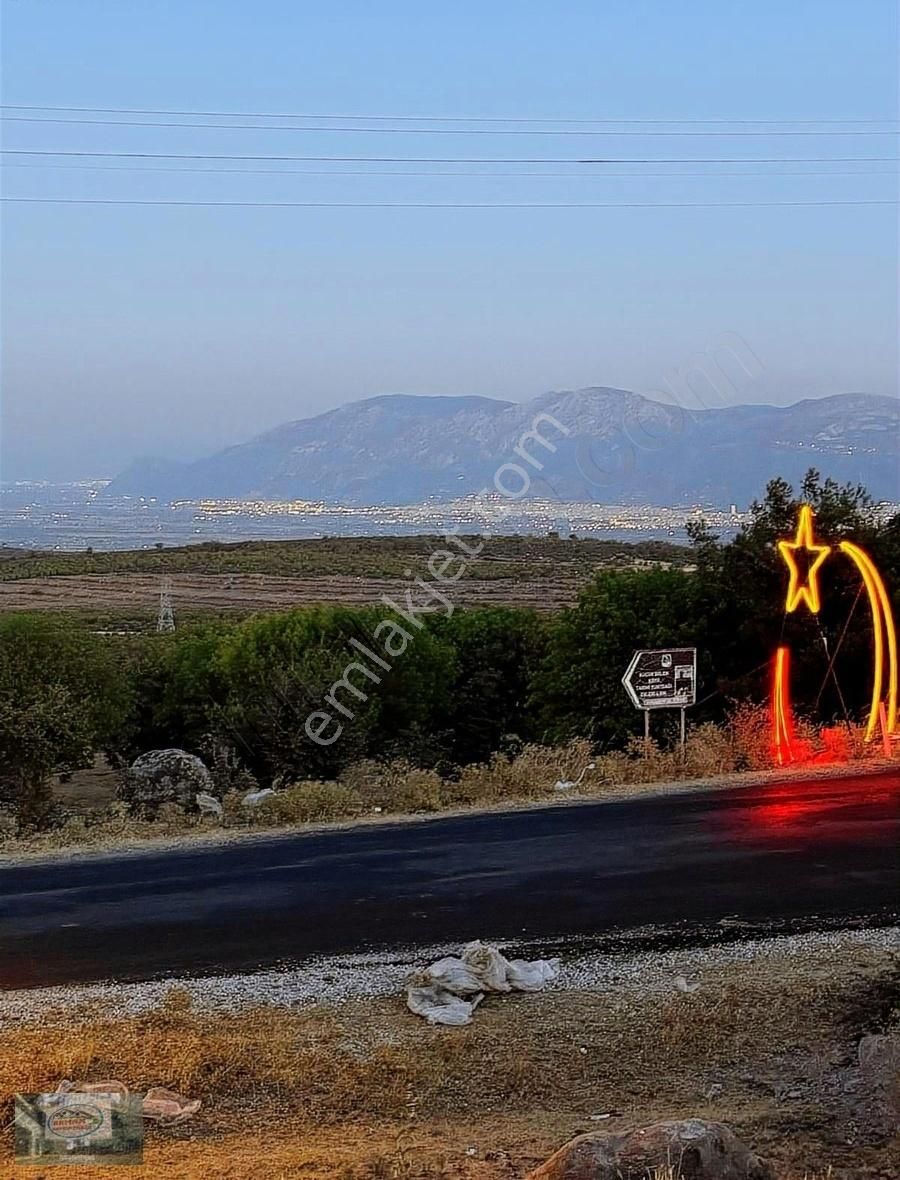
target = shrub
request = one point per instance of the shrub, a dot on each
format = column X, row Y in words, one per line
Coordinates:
column 395, row 786
column 172, row 818
column 408, row 788
column 751, row 733
column 708, row 751
column 531, row 774
column 226, row 767
column 309, row 802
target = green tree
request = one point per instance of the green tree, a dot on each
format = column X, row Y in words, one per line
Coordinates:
column 63, row 696
column 497, row 652
column 741, row 596
column 578, row 689
column 178, row 688
column 276, row 670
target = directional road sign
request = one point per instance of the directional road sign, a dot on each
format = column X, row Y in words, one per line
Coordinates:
column 665, row 678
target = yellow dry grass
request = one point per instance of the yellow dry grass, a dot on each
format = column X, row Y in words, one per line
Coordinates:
column 365, row 1091
column 369, row 789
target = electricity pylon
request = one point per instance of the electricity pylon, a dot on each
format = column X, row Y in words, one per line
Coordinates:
column 165, row 620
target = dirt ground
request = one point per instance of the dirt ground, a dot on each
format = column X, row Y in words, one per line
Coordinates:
column 364, row 1091
column 84, row 790
column 256, row 592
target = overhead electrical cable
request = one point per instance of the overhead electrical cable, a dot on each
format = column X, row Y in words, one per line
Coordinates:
column 332, row 130
column 584, row 161
column 437, row 204
column 407, row 118
column 75, row 167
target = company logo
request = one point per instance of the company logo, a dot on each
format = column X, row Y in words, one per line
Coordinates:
column 68, row 1127
column 75, row 1122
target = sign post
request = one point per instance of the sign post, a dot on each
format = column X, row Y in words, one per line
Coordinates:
column 663, row 678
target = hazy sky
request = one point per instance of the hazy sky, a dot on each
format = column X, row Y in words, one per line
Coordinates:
column 174, row 330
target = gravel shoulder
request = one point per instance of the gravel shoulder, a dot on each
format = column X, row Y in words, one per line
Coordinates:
column 346, row 979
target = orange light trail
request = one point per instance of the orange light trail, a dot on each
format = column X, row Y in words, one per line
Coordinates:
column 882, row 628
column 801, row 591
column 782, row 716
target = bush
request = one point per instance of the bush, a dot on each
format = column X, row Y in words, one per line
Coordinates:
column 226, row 768
column 751, row 736
column 395, row 786
column 532, row 774
column 709, row 750
column 309, row 802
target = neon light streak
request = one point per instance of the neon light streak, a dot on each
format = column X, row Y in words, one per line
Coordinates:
column 882, row 627
column 886, row 666
column 782, row 714
column 808, row 591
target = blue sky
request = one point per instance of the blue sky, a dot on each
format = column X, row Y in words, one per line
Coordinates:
column 170, row 330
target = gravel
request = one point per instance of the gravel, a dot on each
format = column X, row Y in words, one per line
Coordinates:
column 345, row 978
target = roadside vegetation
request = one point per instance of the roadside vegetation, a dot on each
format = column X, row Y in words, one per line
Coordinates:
column 95, row 817
column 485, row 706
column 362, row 1090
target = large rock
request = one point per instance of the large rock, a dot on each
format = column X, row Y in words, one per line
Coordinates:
column 164, row 776
column 698, row 1150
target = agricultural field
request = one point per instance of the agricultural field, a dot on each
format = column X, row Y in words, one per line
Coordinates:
column 541, row 573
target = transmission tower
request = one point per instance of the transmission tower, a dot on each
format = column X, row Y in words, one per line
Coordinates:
column 165, row 620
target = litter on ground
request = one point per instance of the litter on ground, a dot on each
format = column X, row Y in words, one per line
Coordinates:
column 449, row 991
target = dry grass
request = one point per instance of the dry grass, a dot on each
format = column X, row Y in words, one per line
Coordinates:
column 302, row 803
column 369, row 787
column 366, row 1091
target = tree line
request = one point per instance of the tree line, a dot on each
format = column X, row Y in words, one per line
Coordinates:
column 470, row 684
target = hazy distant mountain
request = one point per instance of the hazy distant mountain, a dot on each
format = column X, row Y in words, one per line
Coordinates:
column 621, row 448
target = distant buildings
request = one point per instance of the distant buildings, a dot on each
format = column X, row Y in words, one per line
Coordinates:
column 76, row 517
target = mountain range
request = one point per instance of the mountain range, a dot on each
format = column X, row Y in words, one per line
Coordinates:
column 621, row 448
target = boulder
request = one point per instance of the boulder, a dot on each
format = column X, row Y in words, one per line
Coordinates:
column 164, row 776
column 696, row 1149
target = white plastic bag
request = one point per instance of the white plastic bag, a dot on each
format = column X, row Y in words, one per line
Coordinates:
column 488, row 965
column 531, row 977
column 456, row 975
column 438, row 1005
column 449, row 991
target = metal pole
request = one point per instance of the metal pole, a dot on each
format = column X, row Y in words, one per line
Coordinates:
column 682, row 732
column 646, row 732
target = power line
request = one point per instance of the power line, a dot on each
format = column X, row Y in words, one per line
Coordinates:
column 333, row 130
column 456, row 159
column 437, row 205
column 74, row 167
column 518, row 119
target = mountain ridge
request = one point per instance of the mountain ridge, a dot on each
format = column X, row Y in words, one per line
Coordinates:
column 621, row 447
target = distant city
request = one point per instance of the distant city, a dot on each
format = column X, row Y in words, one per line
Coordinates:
column 74, row 516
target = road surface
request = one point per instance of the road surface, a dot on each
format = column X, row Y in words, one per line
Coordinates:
column 783, row 855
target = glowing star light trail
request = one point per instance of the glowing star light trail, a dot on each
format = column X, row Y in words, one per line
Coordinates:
column 809, row 591
column 884, row 634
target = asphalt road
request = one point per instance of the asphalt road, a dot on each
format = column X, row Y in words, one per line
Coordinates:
column 785, row 855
